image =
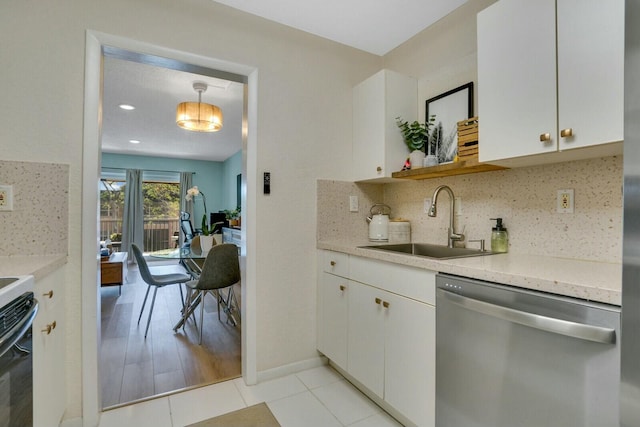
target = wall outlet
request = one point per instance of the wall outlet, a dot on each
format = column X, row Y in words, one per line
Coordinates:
column 353, row 203
column 458, row 206
column 6, row 197
column 565, row 203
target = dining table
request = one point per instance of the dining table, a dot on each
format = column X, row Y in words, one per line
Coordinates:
column 191, row 258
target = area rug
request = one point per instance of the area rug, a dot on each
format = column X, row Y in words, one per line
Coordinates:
column 254, row 416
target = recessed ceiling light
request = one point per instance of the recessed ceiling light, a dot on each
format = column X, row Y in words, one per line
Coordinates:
column 134, row 141
column 127, row 107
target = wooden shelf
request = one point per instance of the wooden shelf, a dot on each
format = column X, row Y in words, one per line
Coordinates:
column 457, row 168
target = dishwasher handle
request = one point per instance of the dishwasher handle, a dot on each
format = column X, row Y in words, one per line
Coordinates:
column 545, row 323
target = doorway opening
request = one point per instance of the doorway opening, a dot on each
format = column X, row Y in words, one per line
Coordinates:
column 132, row 367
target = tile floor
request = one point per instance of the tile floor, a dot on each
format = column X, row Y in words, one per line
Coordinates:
column 316, row 397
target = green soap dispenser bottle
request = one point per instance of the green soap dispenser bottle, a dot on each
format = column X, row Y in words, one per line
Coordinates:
column 499, row 237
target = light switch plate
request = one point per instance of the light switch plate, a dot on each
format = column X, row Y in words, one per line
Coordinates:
column 6, row 197
column 353, row 204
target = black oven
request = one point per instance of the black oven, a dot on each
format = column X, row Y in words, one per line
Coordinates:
column 16, row 377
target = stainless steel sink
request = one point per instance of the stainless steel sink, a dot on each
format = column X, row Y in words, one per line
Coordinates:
column 6, row 281
column 429, row 251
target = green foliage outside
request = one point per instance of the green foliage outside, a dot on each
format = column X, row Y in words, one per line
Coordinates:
column 161, row 200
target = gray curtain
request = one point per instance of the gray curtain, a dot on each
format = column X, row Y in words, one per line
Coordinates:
column 186, row 182
column 133, row 217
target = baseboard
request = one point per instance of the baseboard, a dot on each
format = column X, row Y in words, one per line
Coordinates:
column 291, row 368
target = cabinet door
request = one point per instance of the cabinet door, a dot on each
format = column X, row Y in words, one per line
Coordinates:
column 365, row 354
column 590, row 71
column 378, row 147
column 368, row 142
column 48, row 352
column 334, row 315
column 516, row 79
column 410, row 358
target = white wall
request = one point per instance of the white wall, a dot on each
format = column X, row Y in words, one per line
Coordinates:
column 442, row 57
column 230, row 170
column 303, row 132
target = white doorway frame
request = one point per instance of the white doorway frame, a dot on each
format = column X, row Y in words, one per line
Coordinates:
column 90, row 334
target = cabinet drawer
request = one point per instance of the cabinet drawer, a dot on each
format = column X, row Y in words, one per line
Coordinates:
column 411, row 282
column 335, row 263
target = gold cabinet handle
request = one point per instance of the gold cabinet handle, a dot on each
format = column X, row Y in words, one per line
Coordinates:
column 379, row 169
column 50, row 327
column 385, row 304
column 565, row 133
column 378, row 301
column 342, row 288
column 333, row 263
column 48, row 294
column 545, row 137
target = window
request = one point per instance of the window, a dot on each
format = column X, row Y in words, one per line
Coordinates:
column 161, row 208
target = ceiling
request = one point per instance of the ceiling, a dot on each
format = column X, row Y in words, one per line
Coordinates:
column 155, row 90
column 375, row 26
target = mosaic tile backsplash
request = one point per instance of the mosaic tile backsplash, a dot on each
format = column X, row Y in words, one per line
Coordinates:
column 39, row 222
column 525, row 198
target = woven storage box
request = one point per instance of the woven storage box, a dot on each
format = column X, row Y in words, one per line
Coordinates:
column 468, row 139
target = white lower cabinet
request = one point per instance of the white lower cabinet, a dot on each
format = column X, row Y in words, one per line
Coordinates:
column 334, row 312
column 366, row 335
column 391, row 350
column 410, row 359
column 48, row 351
column 382, row 321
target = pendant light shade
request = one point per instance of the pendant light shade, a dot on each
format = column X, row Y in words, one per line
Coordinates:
column 199, row 116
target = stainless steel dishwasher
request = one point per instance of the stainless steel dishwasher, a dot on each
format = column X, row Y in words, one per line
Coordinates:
column 508, row 357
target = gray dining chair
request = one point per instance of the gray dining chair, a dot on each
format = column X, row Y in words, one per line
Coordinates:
column 221, row 270
column 155, row 280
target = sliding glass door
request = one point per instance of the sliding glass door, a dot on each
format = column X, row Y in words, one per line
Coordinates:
column 161, row 207
column 161, row 215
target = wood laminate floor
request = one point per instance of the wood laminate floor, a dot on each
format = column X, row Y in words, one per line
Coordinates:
column 134, row 368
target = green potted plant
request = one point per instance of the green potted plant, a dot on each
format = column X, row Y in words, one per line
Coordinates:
column 232, row 216
column 206, row 230
column 416, row 136
column 206, row 238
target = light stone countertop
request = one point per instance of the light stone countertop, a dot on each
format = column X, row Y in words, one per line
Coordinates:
column 588, row 280
column 38, row 266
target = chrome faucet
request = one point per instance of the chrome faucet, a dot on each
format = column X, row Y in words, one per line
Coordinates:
column 452, row 235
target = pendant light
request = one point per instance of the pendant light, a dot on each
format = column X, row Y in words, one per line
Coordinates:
column 199, row 116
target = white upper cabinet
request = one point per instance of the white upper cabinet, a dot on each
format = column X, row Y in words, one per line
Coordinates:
column 542, row 90
column 378, row 147
column 590, row 71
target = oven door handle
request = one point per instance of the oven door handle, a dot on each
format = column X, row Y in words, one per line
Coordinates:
column 14, row 335
column 550, row 324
